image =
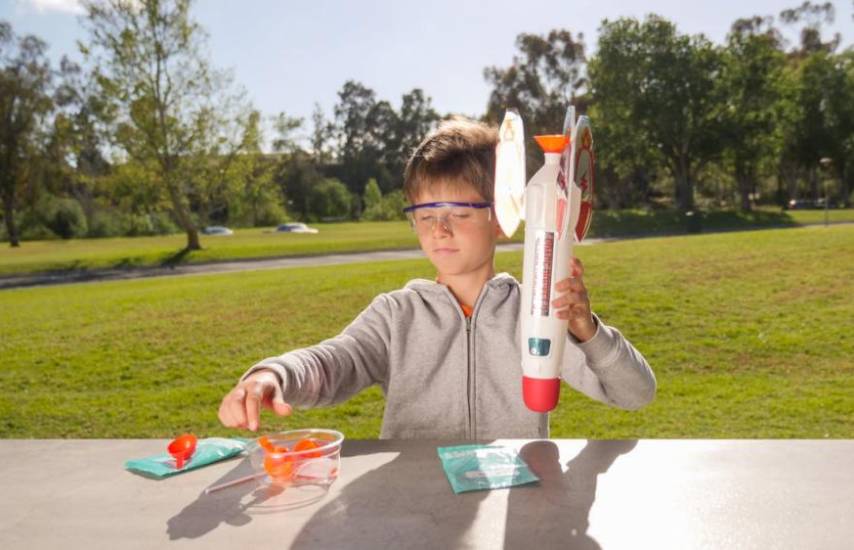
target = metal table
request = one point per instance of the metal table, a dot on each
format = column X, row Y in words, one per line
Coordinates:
column 394, row 494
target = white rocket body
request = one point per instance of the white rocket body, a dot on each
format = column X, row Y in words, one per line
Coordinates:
column 548, row 249
column 551, row 206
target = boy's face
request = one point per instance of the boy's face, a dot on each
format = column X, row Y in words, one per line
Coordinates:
column 459, row 248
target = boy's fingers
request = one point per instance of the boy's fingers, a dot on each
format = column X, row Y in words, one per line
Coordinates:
column 572, row 296
column 231, row 412
column 223, row 414
column 570, row 283
column 238, row 409
column 577, row 267
column 279, row 406
column 253, row 405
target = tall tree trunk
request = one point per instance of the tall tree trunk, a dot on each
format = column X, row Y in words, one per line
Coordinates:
column 183, row 217
column 684, row 185
column 814, row 190
column 845, row 176
column 782, row 200
column 742, row 179
column 9, row 216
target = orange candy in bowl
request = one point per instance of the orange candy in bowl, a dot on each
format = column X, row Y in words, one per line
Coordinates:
column 299, row 457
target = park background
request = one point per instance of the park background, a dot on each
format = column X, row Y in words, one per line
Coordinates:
column 118, row 155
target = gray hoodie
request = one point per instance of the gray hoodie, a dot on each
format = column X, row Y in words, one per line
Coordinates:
column 446, row 376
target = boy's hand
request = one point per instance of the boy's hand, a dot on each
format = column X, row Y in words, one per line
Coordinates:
column 572, row 303
column 241, row 407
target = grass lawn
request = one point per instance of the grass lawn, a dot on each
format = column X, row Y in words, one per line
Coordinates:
column 749, row 335
column 39, row 256
column 88, row 254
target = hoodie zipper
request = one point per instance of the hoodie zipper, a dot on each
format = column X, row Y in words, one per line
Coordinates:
column 470, row 377
column 472, row 367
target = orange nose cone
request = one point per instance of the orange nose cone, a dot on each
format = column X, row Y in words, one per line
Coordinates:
column 552, row 143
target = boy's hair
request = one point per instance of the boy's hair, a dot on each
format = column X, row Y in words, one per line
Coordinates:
column 460, row 152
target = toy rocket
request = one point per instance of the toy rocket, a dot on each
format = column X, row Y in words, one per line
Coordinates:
column 556, row 205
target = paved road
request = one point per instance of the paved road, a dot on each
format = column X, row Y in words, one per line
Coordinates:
column 219, row 267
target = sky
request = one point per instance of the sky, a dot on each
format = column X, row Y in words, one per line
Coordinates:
column 291, row 54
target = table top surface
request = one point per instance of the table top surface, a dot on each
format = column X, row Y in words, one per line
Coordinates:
column 608, row 494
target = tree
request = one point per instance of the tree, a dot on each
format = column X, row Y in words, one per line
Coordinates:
column 750, row 82
column 544, row 79
column 321, row 134
column 541, row 82
column 296, row 175
column 820, row 103
column 241, row 188
column 356, row 118
column 374, row 140
column 373, row 195
column 813, row 15
column 286, row 127
column 25, row 78
column 173, row 110
column 409, row 127
column 329, row 200
column 647, row 76
column 75, row 150
column 825, row 125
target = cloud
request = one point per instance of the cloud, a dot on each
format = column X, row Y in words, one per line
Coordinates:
column 63, row 6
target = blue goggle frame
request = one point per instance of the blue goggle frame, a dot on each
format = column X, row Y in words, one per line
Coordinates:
column 441, row 204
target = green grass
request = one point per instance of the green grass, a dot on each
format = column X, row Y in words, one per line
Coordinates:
column 87, row 254
column 618, row 223
column 93, row 254
column 749, row 335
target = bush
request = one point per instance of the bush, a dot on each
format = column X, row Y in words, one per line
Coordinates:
column 30, row 227
column 372, row 196
column 155, row 223
column 270, row 213
column 390, row 207
column 64, row 217
column 106, row 223
column 329, row 199
column 163, row 224
column 267, row 211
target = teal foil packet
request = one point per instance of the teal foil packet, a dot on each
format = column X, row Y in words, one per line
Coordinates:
column 208, row 451
column 480, row 467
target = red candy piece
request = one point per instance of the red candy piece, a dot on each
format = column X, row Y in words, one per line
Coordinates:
column 306, row 445
column 181, row 448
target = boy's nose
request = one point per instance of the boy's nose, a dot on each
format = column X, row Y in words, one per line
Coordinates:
column 442, row 226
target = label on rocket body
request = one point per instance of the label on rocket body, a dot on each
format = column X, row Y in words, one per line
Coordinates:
column 543, row 259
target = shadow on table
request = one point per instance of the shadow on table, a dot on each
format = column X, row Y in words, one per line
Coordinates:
column 555, row 513
column 406, row 499
column 235, row 505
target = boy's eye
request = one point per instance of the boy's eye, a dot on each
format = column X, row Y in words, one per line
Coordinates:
column 460, row 215
column 426, row 217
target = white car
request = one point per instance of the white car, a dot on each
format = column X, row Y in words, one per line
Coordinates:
column 217, row 230
column 295, row 228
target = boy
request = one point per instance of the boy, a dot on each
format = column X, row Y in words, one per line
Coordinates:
column 446, row 352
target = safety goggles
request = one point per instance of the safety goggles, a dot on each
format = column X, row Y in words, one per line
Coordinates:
column 452, row 215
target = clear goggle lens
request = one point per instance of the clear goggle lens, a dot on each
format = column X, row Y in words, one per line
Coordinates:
column 460, row 216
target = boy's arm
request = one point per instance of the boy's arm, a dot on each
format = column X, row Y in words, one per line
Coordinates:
column 609, row 369
column 337, row 368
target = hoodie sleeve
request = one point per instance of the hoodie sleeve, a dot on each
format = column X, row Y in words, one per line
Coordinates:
column 609, row 369
column 338, row 368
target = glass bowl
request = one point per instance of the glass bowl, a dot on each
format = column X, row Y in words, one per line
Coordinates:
column 298, row 457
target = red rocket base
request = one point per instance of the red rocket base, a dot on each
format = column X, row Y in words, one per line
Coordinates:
column 541, row 394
